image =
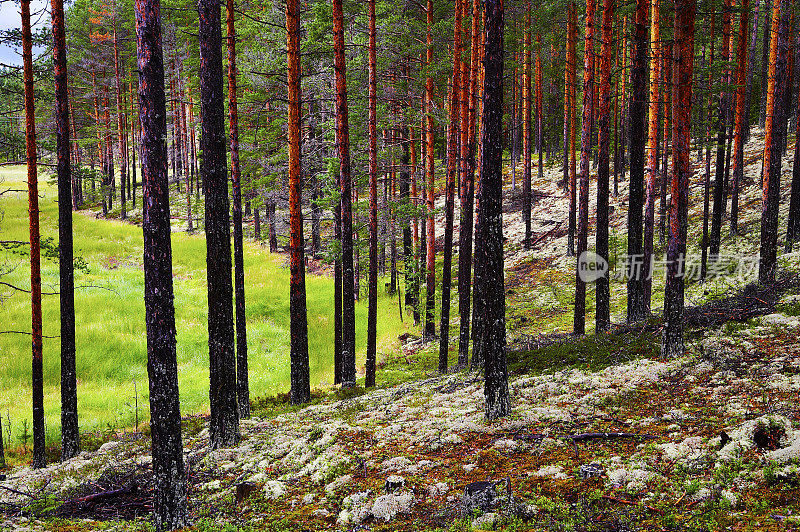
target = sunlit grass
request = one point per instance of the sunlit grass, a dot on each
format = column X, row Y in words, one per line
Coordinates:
column 111, row 341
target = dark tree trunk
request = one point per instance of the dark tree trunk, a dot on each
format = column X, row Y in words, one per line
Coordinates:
column 224, row 423
column 773, row 142
column 273, row 232
column 467, row 196
column 301, row 386
column 672, row 344
column 741, row 114
column 337, row 295
column 603, row 304
column 637, row 310
column 121, row 131
column 722, row 125
column 343, row 145
column 134, row 145
column 526, row 129
column 452, row 169
column 573, row 66
column 430, row 301
column 372, row 297
column 169, row 501
column 242, row 379
column 765, row 54
column 39, row 460
column 792, row 227
column 70, row 444
column 2, row 449
column 579, row 316
column 489, row 249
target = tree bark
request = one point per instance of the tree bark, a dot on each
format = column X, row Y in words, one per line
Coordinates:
column 450, row 190
column 430, row 301
column 741, row 114
column 773, row 142
column 224, row 423
column 526, row 129
column 637, row 310
column 672, row 343
column 121, row 130
column 489, row 249
column 70, row 444
column 169, row 506
column 372, row 297
column 603, row 294
column 572, row 64
column 242, row 379
column 301, row 387
column 652, row 151
column 579, row 316
column 39, row 460
column 343, row 145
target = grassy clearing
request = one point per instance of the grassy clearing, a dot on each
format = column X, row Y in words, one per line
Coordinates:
column 111, row 340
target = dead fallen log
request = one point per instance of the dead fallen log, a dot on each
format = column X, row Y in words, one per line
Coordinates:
column 630, row 503
column 605, row 436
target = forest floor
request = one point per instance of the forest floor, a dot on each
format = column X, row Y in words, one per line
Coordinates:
column 605, row 434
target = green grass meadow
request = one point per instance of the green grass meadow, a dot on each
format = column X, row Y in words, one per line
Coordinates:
column 110, row 327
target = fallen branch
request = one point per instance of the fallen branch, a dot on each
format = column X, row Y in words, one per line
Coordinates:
column 605, row 436
column 630, row 503
column 19, row 492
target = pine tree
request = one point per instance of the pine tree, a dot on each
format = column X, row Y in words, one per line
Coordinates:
column 372, row 311
column 489, row 248
column 224, row 424
column 301, row 387
column 169, row 473
column 672, row 343
column 70, row 444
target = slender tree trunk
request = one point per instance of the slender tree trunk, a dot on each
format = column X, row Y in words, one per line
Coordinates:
column 603, row 305
column 343, row 144
column 741, row 118
column 792, row 227
column 134, row 145
column 773, row 142
column 224, row 423
column 301, row 386
column 450, row 190
column 170, row 507
column 765, row 51
column 2, row 449
column 121, row 130
column 707, row 178
column 722, row 125
column 637, row 309
column 70, row 444
column 526, row 128
column 372, row 297
column 572, row 63
column 39, row 460
column 430, row 302
column 242, row 379
column 751, row 55
column 672, row 344
column 465, row 231
column 652, row 151
column 579, row 316
column 489, row 249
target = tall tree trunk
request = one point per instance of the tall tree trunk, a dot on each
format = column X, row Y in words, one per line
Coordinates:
column 773, row 142
column 579, row 316
column 572, row 65
column 741, row 118
column 751, row 55
column 637, row 309
column 465, row 231
column 169, row 506
column 652, row 151
column 242, row 379
column 765, row 51
column 343, row 145
column 224, row 423
column 121, row 130
column 39, row 460
column 300, row 378
column 430, row 301
column 526, row 128
column 792, row 227
column 372, row 297
column 450, row 190
column 134, row 145
column 603, row 305
column 489, row 249
column 672, row 343
column 70, row 444
column 722, row 125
